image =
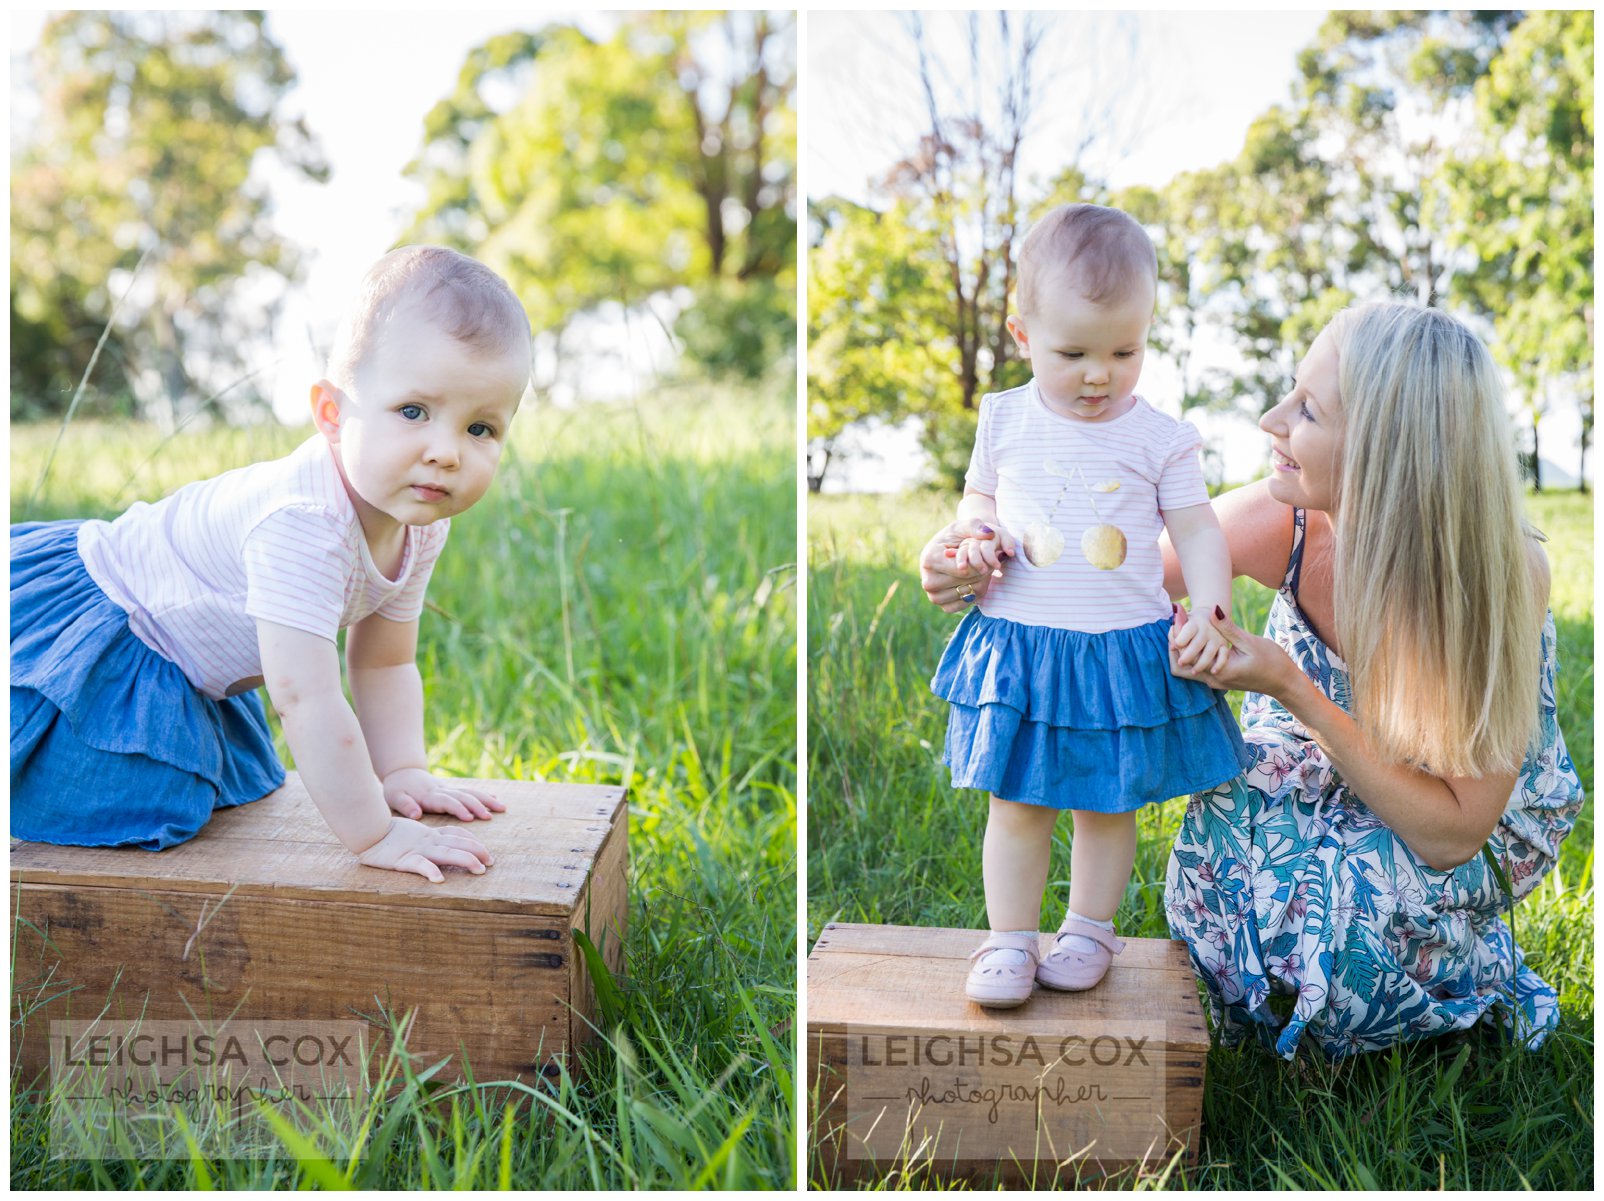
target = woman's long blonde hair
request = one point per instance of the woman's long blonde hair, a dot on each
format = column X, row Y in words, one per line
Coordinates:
column 1437, row 610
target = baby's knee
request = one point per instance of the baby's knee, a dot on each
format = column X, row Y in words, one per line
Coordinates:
column 1017, row 817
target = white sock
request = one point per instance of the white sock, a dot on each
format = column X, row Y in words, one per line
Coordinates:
column 1079, row 943
column 1009, row 954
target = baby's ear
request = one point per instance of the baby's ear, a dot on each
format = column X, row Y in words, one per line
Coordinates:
column 326, row 415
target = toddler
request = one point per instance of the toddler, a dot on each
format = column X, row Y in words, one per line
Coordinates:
column 137, row 644
column 1059, row 683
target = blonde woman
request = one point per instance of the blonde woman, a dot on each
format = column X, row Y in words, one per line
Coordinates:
column 1409, row 662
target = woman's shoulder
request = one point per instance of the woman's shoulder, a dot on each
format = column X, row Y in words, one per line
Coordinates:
column 1258, row 530
column 1537, row 560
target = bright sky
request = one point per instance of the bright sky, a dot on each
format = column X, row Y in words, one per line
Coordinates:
column 1186, row 100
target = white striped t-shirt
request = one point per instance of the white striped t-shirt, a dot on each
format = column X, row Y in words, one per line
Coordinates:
column 279, row 541
column 1048, row 470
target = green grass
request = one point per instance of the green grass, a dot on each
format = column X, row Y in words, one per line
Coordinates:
column 890, row 841
column 620, row 609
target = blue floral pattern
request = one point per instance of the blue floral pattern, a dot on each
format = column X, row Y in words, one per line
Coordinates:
column 1281, row 881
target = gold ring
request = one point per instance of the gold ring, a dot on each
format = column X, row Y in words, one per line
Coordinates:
column 966, row 592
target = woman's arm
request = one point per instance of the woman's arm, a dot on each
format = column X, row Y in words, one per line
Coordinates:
column 1444, row 820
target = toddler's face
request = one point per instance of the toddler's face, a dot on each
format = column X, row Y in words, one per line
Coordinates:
column 422, row 427
column 1086, row 357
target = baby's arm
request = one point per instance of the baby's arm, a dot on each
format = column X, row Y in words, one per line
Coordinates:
column 1206, row 567
column 302, row 672
column 976, row 554
column 381, row 660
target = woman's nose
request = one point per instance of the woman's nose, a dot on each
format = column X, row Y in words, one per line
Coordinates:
column 1273, row 422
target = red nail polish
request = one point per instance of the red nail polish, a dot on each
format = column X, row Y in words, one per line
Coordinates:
column 1219, row 612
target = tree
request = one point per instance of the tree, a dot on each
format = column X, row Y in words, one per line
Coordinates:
column 658, row 158
column 878, row 303
column 1522, row 199
column 147, row 148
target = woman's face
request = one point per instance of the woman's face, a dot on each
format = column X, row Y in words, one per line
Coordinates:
column 1305, row 431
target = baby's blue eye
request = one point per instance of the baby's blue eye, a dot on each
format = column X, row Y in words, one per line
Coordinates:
column 1125, row 354
column 411, row 412
column 480, row 430
column 1070, row 354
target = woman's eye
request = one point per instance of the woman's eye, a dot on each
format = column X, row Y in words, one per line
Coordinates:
column 1303, row 407
column 480, row 430
column 411, row 412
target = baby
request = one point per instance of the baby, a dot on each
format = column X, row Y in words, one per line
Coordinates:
column 137, row 644
column 1059, row 683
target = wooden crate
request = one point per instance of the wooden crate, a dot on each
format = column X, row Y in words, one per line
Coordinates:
column 906, row 1071
column 266, row 916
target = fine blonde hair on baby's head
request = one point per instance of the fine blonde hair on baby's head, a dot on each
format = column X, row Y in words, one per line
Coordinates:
column 1104, row 253
column 459, row 295
column 1437, row 606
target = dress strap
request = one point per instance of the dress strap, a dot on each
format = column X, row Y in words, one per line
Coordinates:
column 1295, row 560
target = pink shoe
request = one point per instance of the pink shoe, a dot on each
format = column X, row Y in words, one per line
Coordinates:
column 1004, row 985
column 1074, row 971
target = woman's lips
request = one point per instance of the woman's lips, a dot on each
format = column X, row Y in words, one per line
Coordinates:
column 1281, row 462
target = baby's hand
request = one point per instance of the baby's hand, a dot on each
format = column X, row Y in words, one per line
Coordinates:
column 412, row 792
column 414, row 847
column 1200, row 645
column 985, row 553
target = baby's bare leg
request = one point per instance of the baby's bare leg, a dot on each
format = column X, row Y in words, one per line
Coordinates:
column 1019, row 840
column 1100, row 862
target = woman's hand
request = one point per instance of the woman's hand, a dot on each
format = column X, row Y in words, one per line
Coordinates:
column 1254, row 664
column 412, row 792
column 414, row 847
column 959, row 563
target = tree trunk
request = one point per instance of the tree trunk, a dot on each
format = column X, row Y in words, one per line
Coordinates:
column 821, row 457
column 1537, row 461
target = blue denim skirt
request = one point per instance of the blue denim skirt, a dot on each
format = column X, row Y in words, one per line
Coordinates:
column 1080, row 721
column 111, row 745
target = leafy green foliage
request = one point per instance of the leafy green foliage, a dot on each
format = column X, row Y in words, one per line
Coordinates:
column 661, row 157
column 145, row 152
column 1439, row 155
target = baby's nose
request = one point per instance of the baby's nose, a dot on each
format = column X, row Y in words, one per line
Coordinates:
column 442, row 450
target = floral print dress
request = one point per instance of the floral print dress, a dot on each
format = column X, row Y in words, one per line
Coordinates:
column 1282, row 881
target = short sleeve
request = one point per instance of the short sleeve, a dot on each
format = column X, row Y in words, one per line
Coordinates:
column 296, row 560
column 982, row 473
column 407, row 603
column 1180, row 480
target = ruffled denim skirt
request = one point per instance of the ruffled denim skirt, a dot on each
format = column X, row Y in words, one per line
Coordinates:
column 1080, row 721
column 111, row 745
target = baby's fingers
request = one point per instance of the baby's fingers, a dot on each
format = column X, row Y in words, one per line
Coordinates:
column 471, row 804
column 420, row 864
column 407, row 805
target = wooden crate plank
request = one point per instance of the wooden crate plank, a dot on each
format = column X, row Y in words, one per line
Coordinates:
column 281, row 843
